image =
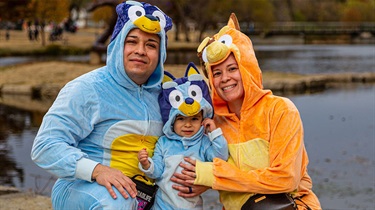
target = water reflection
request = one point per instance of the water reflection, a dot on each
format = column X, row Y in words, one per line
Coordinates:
column 11, row 122
column 311, row 59
column 18, row 129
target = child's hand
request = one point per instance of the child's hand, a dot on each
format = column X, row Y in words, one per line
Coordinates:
column 143, row 158
column 209, row 125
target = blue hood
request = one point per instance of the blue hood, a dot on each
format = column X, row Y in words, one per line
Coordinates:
column 132, row 14
column 185, row 96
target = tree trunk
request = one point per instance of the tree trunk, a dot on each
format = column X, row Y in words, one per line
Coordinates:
column 291, row 10
column 177, row 32
column 43, row 35
column 99, row 44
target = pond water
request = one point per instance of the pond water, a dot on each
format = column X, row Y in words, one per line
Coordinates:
column 303, row 59
column 339, row 136
column 340, row 140
column 312, row 59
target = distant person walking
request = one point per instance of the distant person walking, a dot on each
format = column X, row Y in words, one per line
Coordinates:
column 36, row 30
column 29, row 31
column 7, row 34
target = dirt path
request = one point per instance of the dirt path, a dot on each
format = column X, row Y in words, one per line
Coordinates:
column 12, row 198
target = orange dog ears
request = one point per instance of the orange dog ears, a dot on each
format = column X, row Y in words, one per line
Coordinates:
column 204, row 43
column 233, row 22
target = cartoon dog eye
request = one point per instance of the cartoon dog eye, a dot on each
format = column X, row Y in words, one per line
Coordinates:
column 226, row 39
column 176, row 98
column 160, row 17
column 195, row 92
column 136, row 12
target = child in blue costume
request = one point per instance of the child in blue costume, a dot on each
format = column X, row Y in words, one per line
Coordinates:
column 184, row 102
column 91, row 135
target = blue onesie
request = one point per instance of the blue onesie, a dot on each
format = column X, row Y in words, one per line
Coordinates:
column 189, row 95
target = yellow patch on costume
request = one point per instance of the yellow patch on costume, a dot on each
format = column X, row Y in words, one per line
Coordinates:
column 250, row 155
column 125, row 151
column 247, row 156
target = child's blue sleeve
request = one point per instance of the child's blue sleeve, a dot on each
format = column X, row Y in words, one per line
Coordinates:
column 219, row 147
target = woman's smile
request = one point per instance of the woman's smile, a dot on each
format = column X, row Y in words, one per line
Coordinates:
column 229, row 88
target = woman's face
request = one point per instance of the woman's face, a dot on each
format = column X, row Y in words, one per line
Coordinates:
column 227, row 80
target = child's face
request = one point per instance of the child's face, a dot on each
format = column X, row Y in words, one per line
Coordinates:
column 188, row 126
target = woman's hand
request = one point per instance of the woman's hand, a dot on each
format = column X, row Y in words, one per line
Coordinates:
column 185, row 180
column 107, row 176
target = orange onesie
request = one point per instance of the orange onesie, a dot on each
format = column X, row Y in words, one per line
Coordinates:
column 266, row 146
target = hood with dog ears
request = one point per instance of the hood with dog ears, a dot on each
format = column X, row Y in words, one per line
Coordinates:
column 185, row 96
column 144, row 16
column 148, row 18
column 216, row 49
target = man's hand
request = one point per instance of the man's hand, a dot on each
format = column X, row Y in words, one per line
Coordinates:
column 107, row 176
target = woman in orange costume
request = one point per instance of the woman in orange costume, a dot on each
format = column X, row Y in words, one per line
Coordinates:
column 264, row 131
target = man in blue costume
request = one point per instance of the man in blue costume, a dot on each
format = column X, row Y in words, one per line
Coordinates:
column 91, row 135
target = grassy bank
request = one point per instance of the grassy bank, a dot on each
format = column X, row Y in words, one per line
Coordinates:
column 77, row 43
column 71, row 43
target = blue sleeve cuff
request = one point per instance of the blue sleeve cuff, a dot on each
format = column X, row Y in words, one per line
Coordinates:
column 84, row 169
column 150, row 170
column 215, row 133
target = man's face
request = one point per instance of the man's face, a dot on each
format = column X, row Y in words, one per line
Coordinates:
column 141, row 55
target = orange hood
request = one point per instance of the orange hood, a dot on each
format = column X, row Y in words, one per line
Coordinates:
column 216, row 49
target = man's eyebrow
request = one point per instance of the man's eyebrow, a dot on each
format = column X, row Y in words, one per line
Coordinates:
column 153, row 40
column 150, row 39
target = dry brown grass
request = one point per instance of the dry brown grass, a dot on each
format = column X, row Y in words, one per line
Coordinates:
column 56, row 72
column 83, row 38
column 59, row 73
column 19, row 41
column 43, row 73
